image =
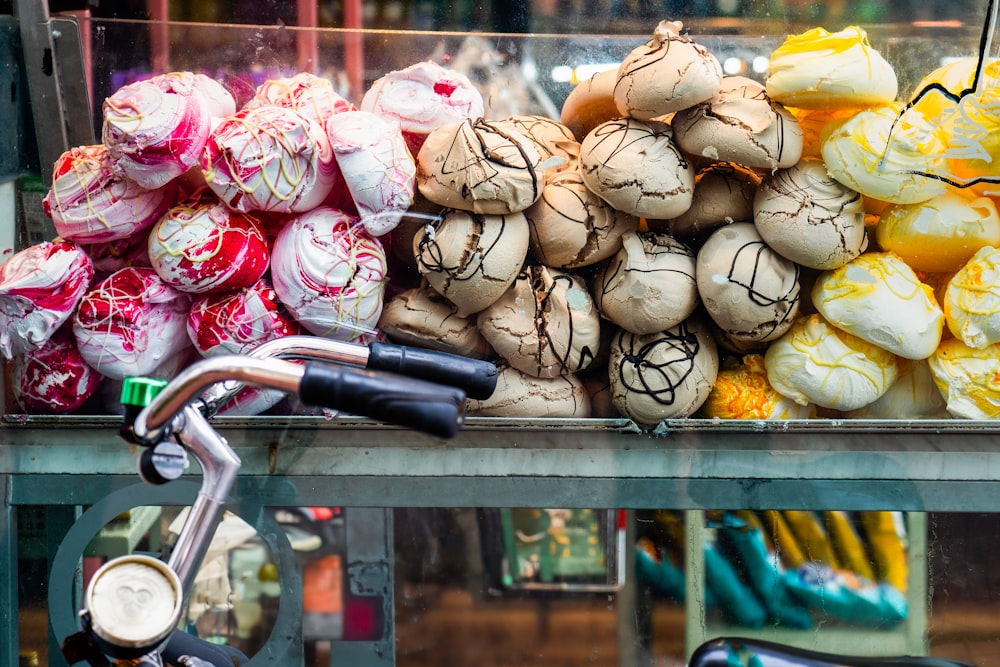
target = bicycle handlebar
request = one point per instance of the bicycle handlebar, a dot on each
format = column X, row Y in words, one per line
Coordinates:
column 399, row 400
column 476, row 378
column 722, row 652
column 403, row 401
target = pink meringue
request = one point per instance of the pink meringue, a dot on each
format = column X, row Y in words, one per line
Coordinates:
column 154, row 133
column 269, row 159
column 238, row 321
column 131, row 322
column 212, row 95
column 329, row 273
column 90, row 203
column 53, row 378
column 203, row 246
column 422, row 97
column 40, row 287
column 312, row 96
column 377, row 166
column 112, row 256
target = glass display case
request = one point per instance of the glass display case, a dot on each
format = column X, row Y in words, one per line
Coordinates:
column 348, row 541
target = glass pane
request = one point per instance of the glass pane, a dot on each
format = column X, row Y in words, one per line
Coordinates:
column 572, row 522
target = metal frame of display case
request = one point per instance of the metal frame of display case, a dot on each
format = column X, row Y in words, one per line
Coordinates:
column 688, row 464
column 77, row 462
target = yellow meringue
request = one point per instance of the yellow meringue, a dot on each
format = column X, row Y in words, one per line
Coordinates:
column 888, row 155
column 913, row 396
column 743, row 392
column 968, row 378
column 972, row 300
column 880, row 299
column 972, row 123
column 822, row 70
column 941, row 234
column 816, row 362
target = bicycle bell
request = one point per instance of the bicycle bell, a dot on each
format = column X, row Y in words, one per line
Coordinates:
column 134, row 602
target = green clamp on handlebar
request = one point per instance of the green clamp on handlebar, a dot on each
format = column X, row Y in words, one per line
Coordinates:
column 137, row 393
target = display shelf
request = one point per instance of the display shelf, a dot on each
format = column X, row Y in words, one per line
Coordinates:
column 947, row 465
column 685, row 464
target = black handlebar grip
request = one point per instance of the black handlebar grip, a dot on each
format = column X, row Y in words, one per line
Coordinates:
column 181, row 644
column 404, row 401
column 476, row 378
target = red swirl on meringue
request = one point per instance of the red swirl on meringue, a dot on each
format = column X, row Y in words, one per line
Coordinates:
column 329, row 273
column 130, row 322
column 54, row 378
column 90, row 203
column 377, row 166
column 422, row 97
column 115, row 255
column 238, row 321
column 154, row 133
column 312, row 96
column 269, row 159
column 202, row 246
column 40, row 287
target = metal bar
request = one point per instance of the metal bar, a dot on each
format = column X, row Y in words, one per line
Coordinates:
column 473, row 491
column 57, row 125
column 8, row 587
column 354, row 58
column 272, row 373
column 73, row 67
column 307, row 40
column 159, row 35
column 43, row 81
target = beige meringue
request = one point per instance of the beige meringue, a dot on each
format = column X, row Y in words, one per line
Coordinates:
column 637, row 168
column 749, row 291
column 810, row 218
column 723, row 194
column 880, row 299
column 590, row 103
column 822, row 70
column 423, row 318
column 649, row 285
column 471, row 259
column 972, row 300
column 740, row 124
column 570, row 226
column 968, row 378
column 669, row 73
column 940, row 234
column 551, row 139
column 480, row 167
column 545, row 325
column 664, row 375
column 816, row 362
column 521, row 395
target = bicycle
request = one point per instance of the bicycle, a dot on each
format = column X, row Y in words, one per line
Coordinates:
column 133, row 603
column 739, row 651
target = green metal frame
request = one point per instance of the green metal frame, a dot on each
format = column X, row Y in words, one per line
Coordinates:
column 354, row 463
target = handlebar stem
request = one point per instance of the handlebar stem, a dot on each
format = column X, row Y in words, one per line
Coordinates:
column 220, row 465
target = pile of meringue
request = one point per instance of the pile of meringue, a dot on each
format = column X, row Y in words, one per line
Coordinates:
column 680, row 243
